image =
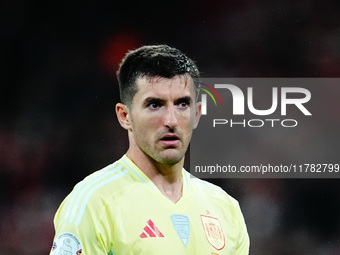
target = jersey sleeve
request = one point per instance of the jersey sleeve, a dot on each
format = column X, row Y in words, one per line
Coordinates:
column 80, row 230
column 243, row 240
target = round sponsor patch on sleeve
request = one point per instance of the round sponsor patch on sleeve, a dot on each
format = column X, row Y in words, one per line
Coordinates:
column 67, row 244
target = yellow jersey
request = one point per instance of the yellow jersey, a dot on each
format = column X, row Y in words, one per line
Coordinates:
column 119, row 211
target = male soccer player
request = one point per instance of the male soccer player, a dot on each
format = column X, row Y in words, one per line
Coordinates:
column 146, row 203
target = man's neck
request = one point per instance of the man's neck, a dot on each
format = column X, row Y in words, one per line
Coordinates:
column 168, row 179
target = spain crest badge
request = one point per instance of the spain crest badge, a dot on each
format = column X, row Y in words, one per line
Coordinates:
column 213, row 231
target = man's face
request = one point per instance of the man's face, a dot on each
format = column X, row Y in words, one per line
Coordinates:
column 162, row 116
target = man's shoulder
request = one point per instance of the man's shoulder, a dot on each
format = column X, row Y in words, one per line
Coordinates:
column 101, row 180
column 214, row 191
column 93, row 193
column 98, row 185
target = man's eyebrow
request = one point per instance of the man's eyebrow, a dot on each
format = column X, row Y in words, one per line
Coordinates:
column 183, row 99
column 150, row 100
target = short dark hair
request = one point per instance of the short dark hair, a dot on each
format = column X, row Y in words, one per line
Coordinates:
column 152, row 61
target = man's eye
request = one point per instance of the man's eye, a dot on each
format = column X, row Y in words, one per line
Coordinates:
column 154, row 105
column 183, row 104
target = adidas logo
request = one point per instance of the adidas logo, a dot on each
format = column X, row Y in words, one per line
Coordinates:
column 150, row 230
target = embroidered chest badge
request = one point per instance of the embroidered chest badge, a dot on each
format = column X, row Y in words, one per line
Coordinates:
column 213, row 231
column 182, row 226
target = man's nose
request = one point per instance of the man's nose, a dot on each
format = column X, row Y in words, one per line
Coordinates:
column 170, row 118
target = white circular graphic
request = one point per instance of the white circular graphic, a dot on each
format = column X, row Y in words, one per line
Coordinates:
column 67, row 244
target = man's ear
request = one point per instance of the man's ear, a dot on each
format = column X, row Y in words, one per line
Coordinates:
column 123, row 115
column 197, row 114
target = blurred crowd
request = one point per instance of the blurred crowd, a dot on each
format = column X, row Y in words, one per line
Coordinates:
column 58, row 92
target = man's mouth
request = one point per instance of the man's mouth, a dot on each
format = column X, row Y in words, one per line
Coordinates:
column 170, row 140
